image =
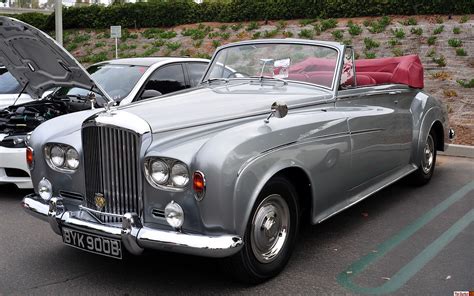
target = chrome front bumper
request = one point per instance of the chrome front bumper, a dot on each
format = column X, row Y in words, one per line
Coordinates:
column 135, row 237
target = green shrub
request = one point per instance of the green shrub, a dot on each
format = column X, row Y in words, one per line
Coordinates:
column 305, row 22
column 338, row 34
column 195, row 34
column 416, row 31
column 71, row 46
column 354, row 29
column 165, row 13
column 456, row 30
column 167, row 34
column 379, row 25
column 370, row 55
column 440, row 61
column 370, row 43
column 201, row 55
column 159, row 43
column 256, row 35
column 328, row 24
column 454, row 42
column 281, row 25
column 252, row 26
column 81, row 38
column 270, row 34
column 95, row 58
column 197, row 44
column 100, row 44
column 466, row 84
column 394, row 42
column 287, row 34
column 225, row 35
column 223, row 27
column 306, row 34
column 464, row 19
column 410, row 22
column 397, row 52
column 438, row 30
column 151, row 33
column 398, row 33
column 431, row 53
column 461, row 52
column 216, row 43
column 431, row 40
column 172, row 46
column 439, row 20
column 236, row 27
column 347, row 42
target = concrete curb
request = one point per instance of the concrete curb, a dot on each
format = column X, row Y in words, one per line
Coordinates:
column 459, row 151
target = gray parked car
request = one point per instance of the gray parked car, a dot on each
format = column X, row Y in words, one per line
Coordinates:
column 280, row 133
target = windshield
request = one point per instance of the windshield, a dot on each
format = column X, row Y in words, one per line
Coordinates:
column 292, row 62
column 117, row 80
column 8, row 84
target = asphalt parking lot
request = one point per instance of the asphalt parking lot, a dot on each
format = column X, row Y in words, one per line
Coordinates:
column 404, row 241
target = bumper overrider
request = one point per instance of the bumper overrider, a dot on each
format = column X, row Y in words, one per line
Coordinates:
column 134, row 236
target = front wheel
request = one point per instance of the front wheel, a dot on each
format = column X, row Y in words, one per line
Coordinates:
column 270, row 235
column 427, row 163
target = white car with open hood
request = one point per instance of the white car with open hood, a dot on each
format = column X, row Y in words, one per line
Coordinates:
column 39, row 65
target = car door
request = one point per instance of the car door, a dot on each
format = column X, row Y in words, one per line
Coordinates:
column 372, row 122
column 166, row 79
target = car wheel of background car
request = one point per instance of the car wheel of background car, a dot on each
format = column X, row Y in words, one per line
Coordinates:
column 427, row 163
column 270, row 235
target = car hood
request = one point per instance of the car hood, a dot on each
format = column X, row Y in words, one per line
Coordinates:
column 212, row 104
column 37, row 61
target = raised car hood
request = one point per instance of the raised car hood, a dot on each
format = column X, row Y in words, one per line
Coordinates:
column 37, row 61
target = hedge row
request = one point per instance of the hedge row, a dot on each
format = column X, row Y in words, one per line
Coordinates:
column 166, row 13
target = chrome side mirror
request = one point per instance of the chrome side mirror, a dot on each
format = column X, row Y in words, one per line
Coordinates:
column 278, row 110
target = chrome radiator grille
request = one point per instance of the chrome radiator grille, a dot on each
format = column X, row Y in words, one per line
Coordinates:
column 111, row 161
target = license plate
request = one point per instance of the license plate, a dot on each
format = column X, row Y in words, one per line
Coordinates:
column 93, row 243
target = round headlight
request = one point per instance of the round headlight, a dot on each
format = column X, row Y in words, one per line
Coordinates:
column 159, row 171
column 57, row 156
column 174, row 215
column 179, row 175
column 72, row 158
column 45, row 189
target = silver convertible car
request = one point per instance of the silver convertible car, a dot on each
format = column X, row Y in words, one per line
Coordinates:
column 279, row 133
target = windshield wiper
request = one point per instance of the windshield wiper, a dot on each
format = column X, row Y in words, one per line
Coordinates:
column 211, row 80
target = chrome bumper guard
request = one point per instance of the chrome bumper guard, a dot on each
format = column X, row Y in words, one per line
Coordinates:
column 134, row 236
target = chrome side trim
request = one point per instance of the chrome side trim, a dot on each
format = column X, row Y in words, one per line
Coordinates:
column 133, row 234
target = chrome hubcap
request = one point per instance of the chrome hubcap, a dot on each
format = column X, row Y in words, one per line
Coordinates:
column 428, row 155
column 270, row 225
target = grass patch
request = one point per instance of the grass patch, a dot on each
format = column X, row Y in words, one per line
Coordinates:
column 99, row 44
column 464, row 19
column 287, row 34
column 416, row 31
column 216, row 43
column 398, row 33
column 461, row 52
column 306, row 34
column 431, row 53
column 223, row 27
column 398, row 52
column 370, row 55
column 392, row 42
column 439, row 20
column 338, row 35
column 95, row 58
column 195, row 34
column 256, row 35
column 328, row 24
column 466, row 84
column 281, row 25
column 81, row 38
column 236, row 27
column 379, row 25
column 354, row 29
column 167, row 34
column 457, row 30
column 252, row 26
column 370, row 43
column 270, row 34
column 450, row 93
column 305, row 22
column 225, row 35
column 441, row 75
column 438, row 30
column 410, row 22
column 431, row 40
column 454, row 42
column 172, row 46
column 440, row 61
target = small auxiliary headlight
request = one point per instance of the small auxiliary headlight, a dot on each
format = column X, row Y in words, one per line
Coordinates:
column 174, row 215
column 29, row 157
column 45, row 189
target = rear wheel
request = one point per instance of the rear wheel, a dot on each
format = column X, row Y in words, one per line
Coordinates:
column 427, row 163
column 270, row 234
